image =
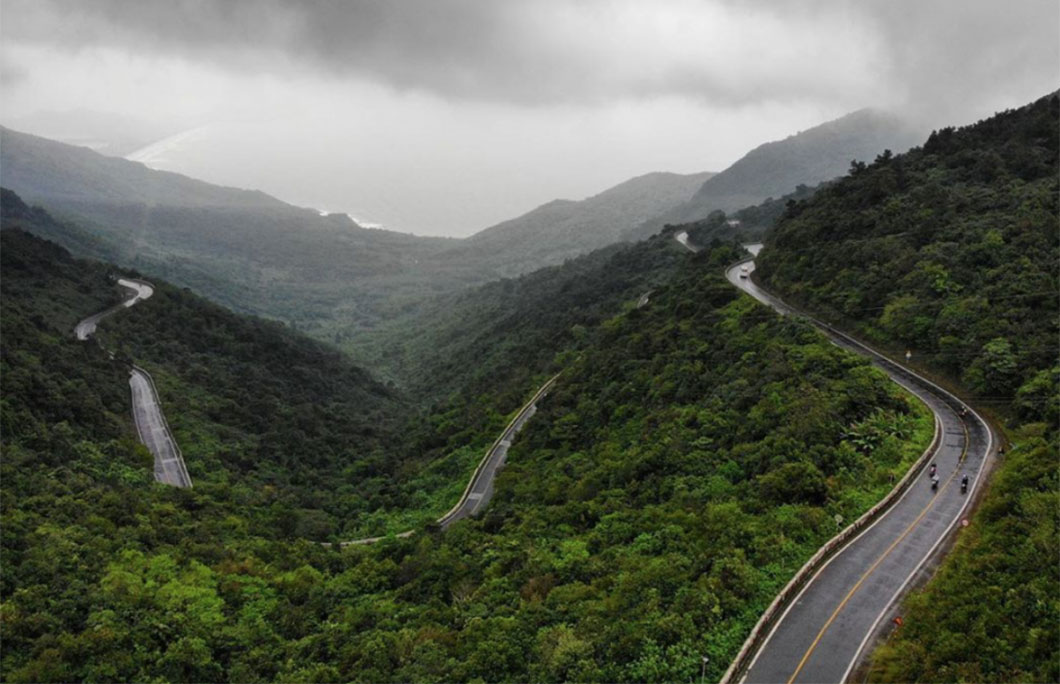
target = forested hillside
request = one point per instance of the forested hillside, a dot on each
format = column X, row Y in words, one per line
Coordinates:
column 952, row 251
column 693, row 455
column 268, row 419
column 470, row 359
column 508, row 331
column 776, row 168
column 563, row 229
column 690, row 460
column 511, row 329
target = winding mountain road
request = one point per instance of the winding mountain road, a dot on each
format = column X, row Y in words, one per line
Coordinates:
column 150, row 422
column 837, row 604
column 141, row 291
column 479, row 488
column 847, row 600
column 170, row 469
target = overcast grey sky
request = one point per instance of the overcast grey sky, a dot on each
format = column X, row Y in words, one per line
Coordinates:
column 443, row 117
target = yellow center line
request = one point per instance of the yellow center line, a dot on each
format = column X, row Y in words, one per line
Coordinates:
column 879, row 560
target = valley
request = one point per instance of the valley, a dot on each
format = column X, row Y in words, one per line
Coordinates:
column 347, row 285
column 597, row 442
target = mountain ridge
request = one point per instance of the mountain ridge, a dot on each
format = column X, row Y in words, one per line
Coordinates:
column 775, row 168
column 562, row 229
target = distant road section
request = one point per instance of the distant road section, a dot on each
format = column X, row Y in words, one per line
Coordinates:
column 150, row 422
column 141, row 291
column 479, row 488
column 682, row 237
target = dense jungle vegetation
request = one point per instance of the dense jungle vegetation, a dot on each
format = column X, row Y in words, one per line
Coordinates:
column 247, row 396
column 690, row 460
column 692, row 456
column 508, row 331
column 953, row 251
column 287, row 429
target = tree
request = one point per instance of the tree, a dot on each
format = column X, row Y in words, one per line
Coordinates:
column 995, row 371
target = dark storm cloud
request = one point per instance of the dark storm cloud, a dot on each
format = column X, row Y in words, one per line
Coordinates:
column 460, row 48
column 554, row 51
column 539, row 51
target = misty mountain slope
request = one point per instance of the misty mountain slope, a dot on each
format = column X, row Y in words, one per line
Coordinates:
column 512, row 327
column 776, row 168
column 39, row 168
column 563, row 229
column 508, row 331
column 105, row 132
column 245, row 249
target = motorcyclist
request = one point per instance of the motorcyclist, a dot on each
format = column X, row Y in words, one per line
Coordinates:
column 934, row 469
column 964, row 484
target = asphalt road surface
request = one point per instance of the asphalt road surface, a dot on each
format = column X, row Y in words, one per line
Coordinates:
column 851, row 600
column 154, row 432
column 480, row 488
column 147, row 413
column 141, row 291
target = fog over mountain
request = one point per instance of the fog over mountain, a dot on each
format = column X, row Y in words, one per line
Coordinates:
column 446, row 118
